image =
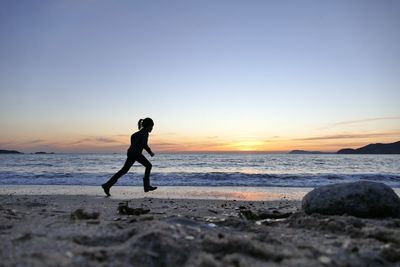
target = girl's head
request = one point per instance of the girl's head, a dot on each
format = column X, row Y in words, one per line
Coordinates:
column 146, row 123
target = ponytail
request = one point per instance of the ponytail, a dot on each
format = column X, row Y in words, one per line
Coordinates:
column 143, row 123
column 140, row 124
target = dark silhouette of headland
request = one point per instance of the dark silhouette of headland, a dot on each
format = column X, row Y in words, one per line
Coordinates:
column 4, row 151
column 378, row 148
column 391, row 148
column 305, row 152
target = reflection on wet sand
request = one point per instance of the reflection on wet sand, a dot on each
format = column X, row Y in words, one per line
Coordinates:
column 181, row 192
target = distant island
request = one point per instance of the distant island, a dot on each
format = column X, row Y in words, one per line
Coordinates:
column 391, row 148
column 3, row 151
column 302, row 152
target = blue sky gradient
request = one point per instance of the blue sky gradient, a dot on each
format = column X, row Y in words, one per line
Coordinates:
column 249, row 75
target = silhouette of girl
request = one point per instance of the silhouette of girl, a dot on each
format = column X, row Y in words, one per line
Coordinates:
column 138, row 143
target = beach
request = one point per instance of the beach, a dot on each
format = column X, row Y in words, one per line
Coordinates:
column 64, row 226
column 265, row 133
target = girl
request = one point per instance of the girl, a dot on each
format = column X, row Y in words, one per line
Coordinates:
column 138, row 143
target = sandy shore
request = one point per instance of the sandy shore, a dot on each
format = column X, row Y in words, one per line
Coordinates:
column 185, row 192
column 87, row 229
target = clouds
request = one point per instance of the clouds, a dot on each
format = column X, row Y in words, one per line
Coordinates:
column 367, row 120
column 113, row 143
column 97, row 140
column 361, row 122
column 332, row 138
column 350, row 136
column 106, row 140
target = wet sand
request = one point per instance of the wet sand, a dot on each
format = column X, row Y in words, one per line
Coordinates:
column 157, row 229
column 179, row 192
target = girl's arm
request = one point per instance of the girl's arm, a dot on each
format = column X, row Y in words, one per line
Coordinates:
column 146, row 146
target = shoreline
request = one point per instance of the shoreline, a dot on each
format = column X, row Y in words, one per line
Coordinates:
column 167, row 192
column 164, row 192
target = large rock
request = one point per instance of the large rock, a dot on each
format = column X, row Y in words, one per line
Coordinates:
column 361, row 199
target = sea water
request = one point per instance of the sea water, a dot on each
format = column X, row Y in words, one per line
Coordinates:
column 202, row 169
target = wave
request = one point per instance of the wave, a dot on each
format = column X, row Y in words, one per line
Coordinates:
column 196, row 179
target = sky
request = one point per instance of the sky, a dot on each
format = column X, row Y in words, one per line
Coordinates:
column 76, row 76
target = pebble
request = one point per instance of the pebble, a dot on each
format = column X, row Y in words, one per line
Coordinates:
column 324, row 260
column 346, row 243
column 93, row 222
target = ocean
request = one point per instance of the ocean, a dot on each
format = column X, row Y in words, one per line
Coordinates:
column 201, row 169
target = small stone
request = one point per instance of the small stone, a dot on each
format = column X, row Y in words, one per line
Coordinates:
column 93, row 222
column 346, row 243
column 81, row 214
column 390, row 253
column 249, row 215
column 146, row 218
column 324, row 260
column 124, row 209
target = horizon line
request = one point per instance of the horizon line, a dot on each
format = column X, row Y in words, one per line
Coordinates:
column 181, row 152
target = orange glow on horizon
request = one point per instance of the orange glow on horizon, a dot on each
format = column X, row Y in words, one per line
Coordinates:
column 174, row 143
column 247, row 145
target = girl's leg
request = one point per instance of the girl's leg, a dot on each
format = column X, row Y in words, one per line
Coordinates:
column 128, row 164
column 146, row 179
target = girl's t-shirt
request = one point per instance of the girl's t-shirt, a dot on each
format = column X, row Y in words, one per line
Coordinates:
column 138, row 142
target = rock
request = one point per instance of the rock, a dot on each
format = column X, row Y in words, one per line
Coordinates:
column 325, row 260
column 80, row 214
column 385, row 236
column 362, row 199
column 391, row 254
column 274, row 215
column 159, row 248
column 93, row 222
column 125, row 210
column 262, row 215
column 24, row 237
column 249, row 215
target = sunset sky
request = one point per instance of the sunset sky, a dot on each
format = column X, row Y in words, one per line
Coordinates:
column 77, row 75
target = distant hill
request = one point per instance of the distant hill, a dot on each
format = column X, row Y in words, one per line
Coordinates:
column 302, row 152
column 41, row 152
column 3, row 151
column 392, row 148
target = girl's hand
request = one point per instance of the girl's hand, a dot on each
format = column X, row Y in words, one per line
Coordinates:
column 152, row 154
